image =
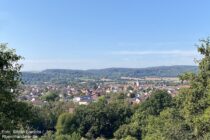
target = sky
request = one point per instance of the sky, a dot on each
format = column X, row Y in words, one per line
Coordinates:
column 94, row 34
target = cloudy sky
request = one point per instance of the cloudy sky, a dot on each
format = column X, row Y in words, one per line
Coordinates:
column 88, row 34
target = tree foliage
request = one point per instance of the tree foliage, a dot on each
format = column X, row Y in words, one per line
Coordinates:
column 50, row 96
column 185, row 116
column 95, row 120
column 13, row 114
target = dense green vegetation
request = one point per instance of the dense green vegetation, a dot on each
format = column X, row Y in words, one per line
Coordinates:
column 12, row 113
column 50, row 96
column 95, row 120
column 18, row 115
column 160, row 117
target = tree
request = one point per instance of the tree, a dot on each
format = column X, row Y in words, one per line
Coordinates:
column 10, row 78
column 65, row 124
column 73, row 136
column 48, row 136
column 50, row 96
column 130, row 138
column 100, row 119
column 158, row 101
column 168, row 125
column 197, row 101
column 14, row 114
column 186, row 77
column 45, row 117
column 188, row 117
column 128, row 130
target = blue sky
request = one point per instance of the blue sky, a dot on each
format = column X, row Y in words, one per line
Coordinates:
column 86, row 34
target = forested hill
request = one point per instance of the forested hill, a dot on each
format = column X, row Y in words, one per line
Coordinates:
column 63, row 75
column 161, row 71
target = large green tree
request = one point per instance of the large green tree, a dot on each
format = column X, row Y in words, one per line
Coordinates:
column 158, row 101
column 189, row 116
column 9, row 80
column 100, row 119
column 13, row 114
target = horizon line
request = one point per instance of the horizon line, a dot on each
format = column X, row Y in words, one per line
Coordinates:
column 106, row 68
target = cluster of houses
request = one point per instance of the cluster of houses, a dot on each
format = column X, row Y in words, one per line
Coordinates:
column 136, row 92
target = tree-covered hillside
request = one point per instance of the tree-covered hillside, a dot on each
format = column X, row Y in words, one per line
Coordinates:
column 63, row 76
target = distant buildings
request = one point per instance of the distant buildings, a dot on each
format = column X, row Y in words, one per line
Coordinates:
column 136, row 89
column 83, row 100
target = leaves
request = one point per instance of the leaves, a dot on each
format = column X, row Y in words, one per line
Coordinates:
column 95, row 120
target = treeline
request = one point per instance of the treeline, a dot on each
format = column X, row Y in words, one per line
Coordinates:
column 64, row 76
column 160, row 117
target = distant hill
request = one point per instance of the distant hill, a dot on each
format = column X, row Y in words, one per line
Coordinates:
column 65, row 75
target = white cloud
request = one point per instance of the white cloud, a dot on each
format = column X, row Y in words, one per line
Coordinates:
column 170, row 52
column 155, row 44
